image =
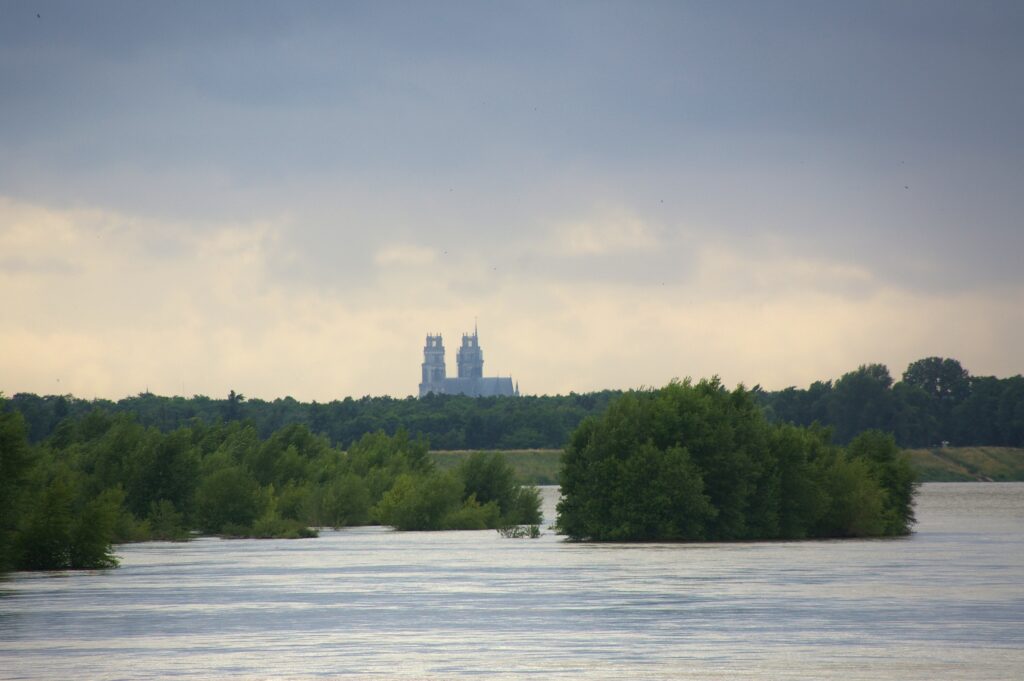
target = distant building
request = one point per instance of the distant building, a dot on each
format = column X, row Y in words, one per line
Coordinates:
column 471, row 380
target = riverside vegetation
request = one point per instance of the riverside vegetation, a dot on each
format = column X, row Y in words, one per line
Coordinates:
column 695, row 462
column 687, row 462
column 937, row 400
column 104, row 479
column 935, row 464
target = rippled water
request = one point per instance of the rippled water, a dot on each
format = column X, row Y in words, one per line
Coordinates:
column 946, row 603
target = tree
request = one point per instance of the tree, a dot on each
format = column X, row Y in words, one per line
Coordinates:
column 892, row 470
column 860, row 400
column 233, row 406
column 420, row 503
column 915, row 422
column 947, row 384
column 943, row 379
column 489, row 478
column 684, row 450
column 855, row 507
column 164, row 467
column 15, row 461
column 228, row 499
column 802, row 501
column 92, row 532
column 44, row 539
column 165, row 522
column 345, row 501
column 61, row 530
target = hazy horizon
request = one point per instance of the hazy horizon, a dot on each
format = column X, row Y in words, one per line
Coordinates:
column 285, row 199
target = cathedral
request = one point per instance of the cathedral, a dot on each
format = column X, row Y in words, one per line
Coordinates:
column 471, row 380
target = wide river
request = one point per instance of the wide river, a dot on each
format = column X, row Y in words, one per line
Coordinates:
column 945, row 603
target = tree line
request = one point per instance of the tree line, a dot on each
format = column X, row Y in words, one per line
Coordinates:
column 696, row 462
column 104, row 478
column 937, row 400
column 450, row 422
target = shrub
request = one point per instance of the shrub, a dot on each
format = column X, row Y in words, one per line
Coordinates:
column 419, row 503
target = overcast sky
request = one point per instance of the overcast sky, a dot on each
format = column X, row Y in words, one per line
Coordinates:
column 285, row 198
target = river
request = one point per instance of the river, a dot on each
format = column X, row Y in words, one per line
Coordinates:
column 944, row 603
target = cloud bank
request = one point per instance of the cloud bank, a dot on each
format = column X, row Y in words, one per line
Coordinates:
column 283, row 200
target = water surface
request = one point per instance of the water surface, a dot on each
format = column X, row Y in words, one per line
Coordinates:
column 947, row 602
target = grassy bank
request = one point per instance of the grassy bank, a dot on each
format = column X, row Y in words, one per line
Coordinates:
column 532, row 466
column 948, row 464
column 958, row 464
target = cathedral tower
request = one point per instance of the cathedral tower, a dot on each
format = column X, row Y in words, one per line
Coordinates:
column 470, row 357
column 433, row 365
column 471, row 380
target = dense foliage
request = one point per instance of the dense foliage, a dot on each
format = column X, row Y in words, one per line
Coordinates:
column 698, row 462
column 936, row 401
column 448, row 421
column 104, row 478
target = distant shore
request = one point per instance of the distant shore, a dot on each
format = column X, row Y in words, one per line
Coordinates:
column 939, row 464
column 968, row 464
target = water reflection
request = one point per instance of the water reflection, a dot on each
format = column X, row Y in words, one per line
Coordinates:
column 370, row 602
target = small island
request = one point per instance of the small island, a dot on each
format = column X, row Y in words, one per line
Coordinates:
column 697, row 462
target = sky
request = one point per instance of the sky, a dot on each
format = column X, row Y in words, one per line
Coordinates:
column 285, row 198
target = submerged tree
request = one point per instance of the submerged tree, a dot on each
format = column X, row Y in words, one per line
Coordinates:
column 699, row 462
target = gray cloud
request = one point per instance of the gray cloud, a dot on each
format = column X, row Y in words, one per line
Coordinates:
column 874, row 138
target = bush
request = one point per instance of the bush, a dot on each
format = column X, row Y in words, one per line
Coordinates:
column 345, row 501
column 228, row 497
column 520, row 531
column 420, row 503
column 56, row 536
column 891, row 469
column 165, row 522
column 489, row 478
column 473, row 516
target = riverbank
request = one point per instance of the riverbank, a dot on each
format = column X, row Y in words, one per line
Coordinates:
column 939, row 464
column 969, row 464
column 532, row 466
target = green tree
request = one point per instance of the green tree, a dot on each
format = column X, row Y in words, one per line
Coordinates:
column 44, row 539
column 700, row 438
column 345, row 502
column 947, row 385
column 15, row 461
column 420, row 502
column 228, row 500
column 855, row 500
column 165, row 522
column 63, row 529
column 860, row 400
column 802, row 501
column 163, row 467
column 942, row 379
column 488, row 477
column 698, row 462
column 93, row 530
column 891, row 469
column 233, row 406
